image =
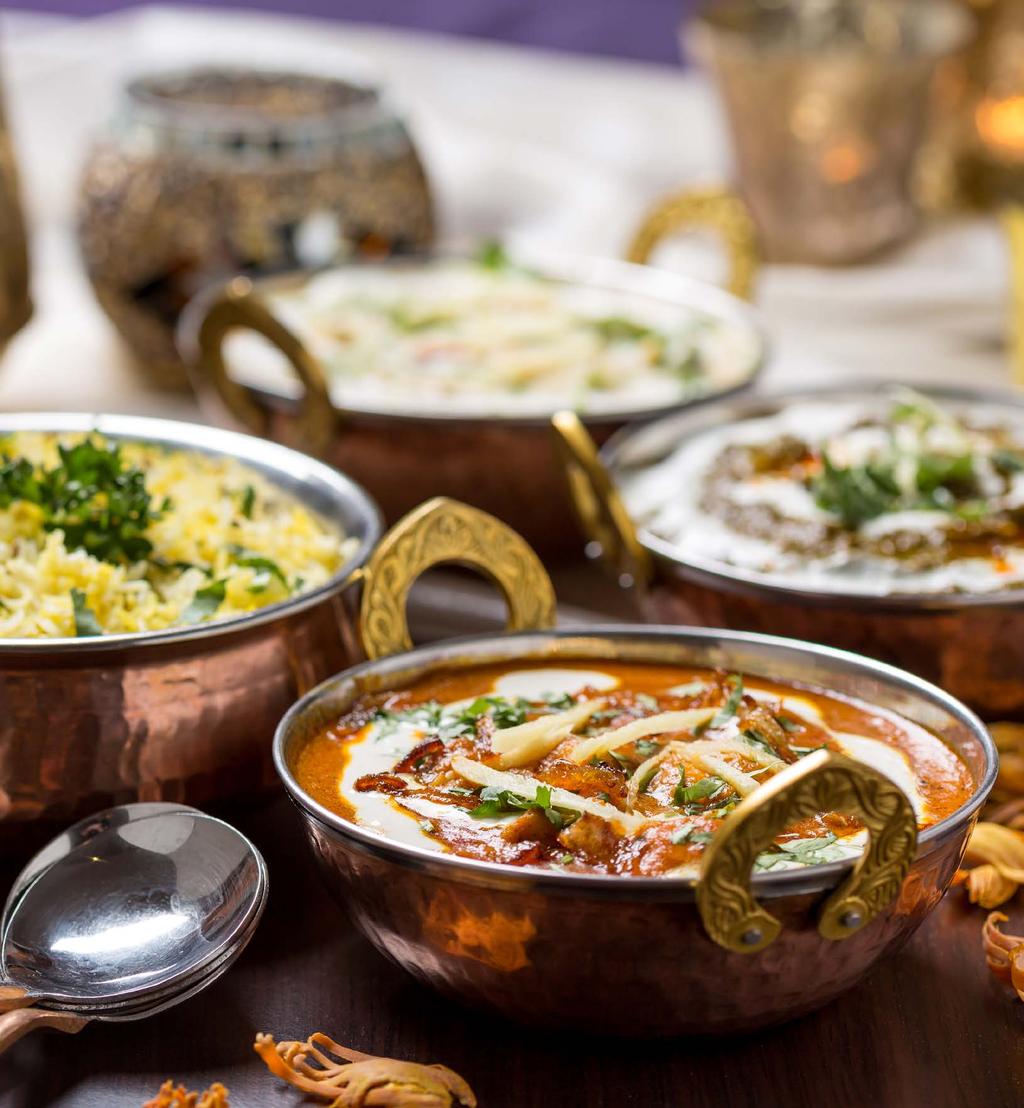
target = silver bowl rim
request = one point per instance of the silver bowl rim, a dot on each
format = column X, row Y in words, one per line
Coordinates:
column 589, row 271
column 524, row 644
column 280, row 465
column 720, row 576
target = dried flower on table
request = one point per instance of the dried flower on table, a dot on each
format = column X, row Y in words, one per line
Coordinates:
column 169, row 1096
column 351, row 1079
column 998, row 856
column 1004, row 954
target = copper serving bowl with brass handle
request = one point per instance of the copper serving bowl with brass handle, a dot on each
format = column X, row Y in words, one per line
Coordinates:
column 187, row 714
column 643, row 955
column 503, row 464
column 971, row 644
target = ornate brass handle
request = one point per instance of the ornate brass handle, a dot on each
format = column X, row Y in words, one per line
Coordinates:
column 598, row 506
column 715, row 209
column 821, row 782
column 444, row 530
column 238, row 308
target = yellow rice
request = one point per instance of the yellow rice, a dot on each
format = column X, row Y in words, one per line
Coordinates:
column 204, row 526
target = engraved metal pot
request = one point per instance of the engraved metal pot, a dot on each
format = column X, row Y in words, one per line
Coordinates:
column 970, row 644
column 502, row 464
column 650, row 956
column 209, row 172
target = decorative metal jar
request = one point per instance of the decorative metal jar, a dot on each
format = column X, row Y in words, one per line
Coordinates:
column 208, row 172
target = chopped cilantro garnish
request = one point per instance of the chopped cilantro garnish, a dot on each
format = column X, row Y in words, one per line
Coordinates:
column 491, row 255
column 731, row 706
column 495, row 802
column 704, row 789
column 204, row 603
column 248, row 501
column 86, row 623
column 99, row 502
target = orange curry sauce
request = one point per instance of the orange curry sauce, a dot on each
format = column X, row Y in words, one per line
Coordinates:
column 652, row 804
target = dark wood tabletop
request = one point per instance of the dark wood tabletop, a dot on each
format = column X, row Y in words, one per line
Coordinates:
column 928, row 1029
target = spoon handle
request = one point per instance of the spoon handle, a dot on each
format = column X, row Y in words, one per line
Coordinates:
column 20, row 1022
column 12, row 998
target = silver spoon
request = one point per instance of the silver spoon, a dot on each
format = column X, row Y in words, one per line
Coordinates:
column 125, row 914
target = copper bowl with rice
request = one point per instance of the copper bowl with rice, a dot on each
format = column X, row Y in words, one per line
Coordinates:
column 130, row 674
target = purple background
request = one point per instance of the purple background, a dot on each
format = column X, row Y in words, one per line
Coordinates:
column 643, row 29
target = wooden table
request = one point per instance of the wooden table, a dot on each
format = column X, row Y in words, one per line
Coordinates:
column 929, row 1029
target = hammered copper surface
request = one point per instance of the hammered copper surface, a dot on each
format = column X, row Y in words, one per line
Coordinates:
column 188, row 721
column 509, row 470
column 622, row 965
column 210, row 172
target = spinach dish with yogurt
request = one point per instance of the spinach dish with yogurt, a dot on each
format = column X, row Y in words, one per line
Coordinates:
column 869, row 494
column 614, row 768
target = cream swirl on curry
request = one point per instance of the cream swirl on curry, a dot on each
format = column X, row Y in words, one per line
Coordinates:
column 870, row 494
column 613, row 768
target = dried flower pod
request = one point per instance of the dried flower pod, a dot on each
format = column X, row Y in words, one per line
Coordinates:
column 986, row 885
column 361, row 1080
column 171, row 1096
column 1004, row 954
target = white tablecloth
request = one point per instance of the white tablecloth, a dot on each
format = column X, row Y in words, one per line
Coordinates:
column 530, row 145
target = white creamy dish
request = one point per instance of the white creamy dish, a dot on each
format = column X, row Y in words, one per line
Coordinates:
column 489, row 338
column 869, row 494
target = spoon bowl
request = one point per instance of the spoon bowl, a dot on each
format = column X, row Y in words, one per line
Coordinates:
column 135, row 907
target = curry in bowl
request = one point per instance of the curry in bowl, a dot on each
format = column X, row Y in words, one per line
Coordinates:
column 102, row 536
column 863, row 494
column 610, row 768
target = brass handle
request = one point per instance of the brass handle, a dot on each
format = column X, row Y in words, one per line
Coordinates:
column 715, row 209
column 597, row 503
column 13, row 1025
column 238, row 308
column 821, row 782
column 444, row 530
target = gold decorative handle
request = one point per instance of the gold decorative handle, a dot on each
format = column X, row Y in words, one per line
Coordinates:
column 439, row 531
column 714, row 209
column 14, row 1025
column 598, row 506
column 821, row 782
column 238, row 308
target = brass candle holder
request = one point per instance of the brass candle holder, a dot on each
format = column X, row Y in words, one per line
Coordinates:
column 827, row 103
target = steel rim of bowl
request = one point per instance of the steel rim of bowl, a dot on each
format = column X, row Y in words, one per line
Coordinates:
column 735, row 579
column 281, row 466
column 489, row 647
column 607, row 274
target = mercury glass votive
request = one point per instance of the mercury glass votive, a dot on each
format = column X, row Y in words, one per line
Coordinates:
column 827, row 102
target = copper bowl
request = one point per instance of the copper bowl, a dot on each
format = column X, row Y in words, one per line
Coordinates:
column 654, row 956
column 972, row 645
column 187, row 714
column 502, row 464
column 183, row 714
